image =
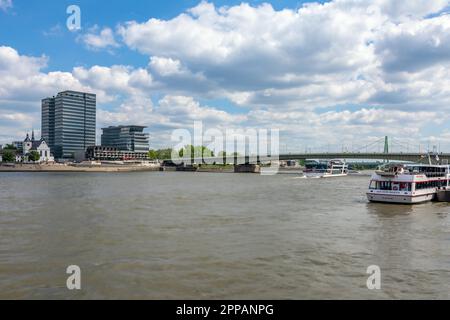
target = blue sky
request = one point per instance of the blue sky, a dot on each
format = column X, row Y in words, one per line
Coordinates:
column 28, row 27
column 323, row 73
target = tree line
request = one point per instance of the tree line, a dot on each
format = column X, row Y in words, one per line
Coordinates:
column 188, row 151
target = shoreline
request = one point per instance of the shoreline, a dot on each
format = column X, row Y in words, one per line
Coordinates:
column 79, row 169
column 112, row 168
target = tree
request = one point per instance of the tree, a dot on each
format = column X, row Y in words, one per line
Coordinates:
column 8, row 156
column 162, row 154
column 153, row 155
column 195, row 152
column 10, row 147
column 34, row 156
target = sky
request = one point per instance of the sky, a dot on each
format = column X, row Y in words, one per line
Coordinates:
column 330, row 75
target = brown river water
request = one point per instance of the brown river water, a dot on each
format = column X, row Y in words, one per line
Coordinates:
column 177, row 235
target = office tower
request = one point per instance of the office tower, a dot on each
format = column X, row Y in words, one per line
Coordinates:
column 48, row 122
column 68, row 123
column 126, row 138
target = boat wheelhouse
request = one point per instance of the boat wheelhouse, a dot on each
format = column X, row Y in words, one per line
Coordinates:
column 411, row 183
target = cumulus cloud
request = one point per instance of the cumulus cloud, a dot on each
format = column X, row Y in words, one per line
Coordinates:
column 344, row 51
column 23, row 84
column 415, row 45
column 96, row 40
column 22, row 79
column 325, row 71
column 119, row 78
column 123, row 92
column 189, row 110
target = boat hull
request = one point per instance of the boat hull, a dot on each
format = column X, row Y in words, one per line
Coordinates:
column 443, row 195
column 391, row 198
column 334, row 175
column 323, row 176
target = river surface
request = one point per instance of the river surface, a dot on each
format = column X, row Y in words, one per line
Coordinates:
column 215, row 236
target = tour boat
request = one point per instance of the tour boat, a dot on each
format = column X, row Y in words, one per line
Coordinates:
column 408, row 183
column 334, row 168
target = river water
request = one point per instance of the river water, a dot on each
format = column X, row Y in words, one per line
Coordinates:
column 215, row 236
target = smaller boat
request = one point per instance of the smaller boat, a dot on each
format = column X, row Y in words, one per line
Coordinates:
column 334, row 168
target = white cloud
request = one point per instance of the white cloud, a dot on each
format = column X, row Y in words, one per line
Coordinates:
column 341, row 52
column 22, row 79
column 121, row 79
column 95, row 40
column 23, row 84
column 415, row 45
column 188, row 110
column 166, row 66
column 323, row 72
column 414, row 9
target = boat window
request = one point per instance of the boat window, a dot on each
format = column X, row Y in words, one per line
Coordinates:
column 430, row 184
column 391, row 186
column 405, row 186
column 385, row 185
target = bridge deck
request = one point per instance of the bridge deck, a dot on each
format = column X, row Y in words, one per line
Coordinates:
column 412, row 157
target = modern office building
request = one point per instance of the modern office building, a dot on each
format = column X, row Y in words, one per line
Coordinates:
column 126, row 138
column 68, row 123
column 48, row 121
column 100, row 153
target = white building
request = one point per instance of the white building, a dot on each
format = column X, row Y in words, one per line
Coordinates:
column 40, row 146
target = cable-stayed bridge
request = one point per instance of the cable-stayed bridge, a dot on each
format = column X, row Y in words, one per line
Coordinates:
column 383, row 149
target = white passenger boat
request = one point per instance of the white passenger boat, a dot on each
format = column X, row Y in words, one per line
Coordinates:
column 410, row 183
column 335, row 168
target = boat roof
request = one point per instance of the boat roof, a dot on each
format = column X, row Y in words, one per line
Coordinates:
column 421, row 165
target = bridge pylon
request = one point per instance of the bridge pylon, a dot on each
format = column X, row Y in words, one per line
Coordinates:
column 386, row 148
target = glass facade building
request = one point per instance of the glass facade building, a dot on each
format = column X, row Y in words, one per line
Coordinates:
column 48, row 122
column 68, row 122
column 126, row 138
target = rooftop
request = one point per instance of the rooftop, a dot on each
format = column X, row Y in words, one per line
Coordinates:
column 122, row 127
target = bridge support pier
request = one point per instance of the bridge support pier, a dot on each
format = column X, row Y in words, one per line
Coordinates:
column 247, row 168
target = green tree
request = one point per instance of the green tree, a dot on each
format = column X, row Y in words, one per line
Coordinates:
column 8, row 156
column 10, row 147
column 34, row 156
column 164, row 154
column 195, row 152
column 153, row 155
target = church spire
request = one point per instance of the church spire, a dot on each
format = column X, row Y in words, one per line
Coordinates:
column 32, row 135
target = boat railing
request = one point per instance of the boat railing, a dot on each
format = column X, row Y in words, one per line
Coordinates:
column 427, row 174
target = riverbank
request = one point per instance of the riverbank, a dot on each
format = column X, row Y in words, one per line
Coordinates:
column 75, row 168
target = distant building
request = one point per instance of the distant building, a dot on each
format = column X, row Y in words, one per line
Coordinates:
column 126, row 138
column 101, row 153
column 68, row 122
column 40, row 146
column 18, row 145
